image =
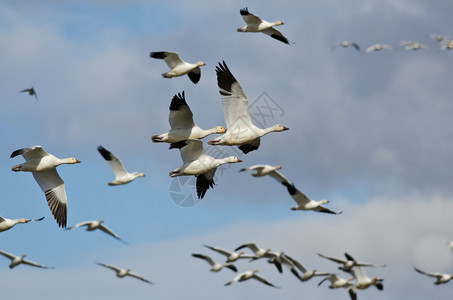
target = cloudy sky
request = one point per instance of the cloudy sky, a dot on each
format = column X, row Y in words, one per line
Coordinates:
column 371, row 133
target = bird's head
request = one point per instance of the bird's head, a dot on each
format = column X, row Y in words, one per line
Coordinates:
column 220, row 129
column 201, row 63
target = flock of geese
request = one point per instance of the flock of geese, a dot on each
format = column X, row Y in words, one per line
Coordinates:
column 186, row 136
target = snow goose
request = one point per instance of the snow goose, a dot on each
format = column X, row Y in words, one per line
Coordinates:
column 178, row 66
column 122, row 176
column 31, row 91
column 413, row 45
column 306, row 274
column 231, row 256
column 346, row 44
column 182, row 125
column 6, row 223
column 215, row 267
column 263, row 170
column 378, row 47
column 363, row 281
column 198, row 163
column 17, row 260
column 279, row 259
column 121, row 273
column 259, row 252
column 241, row 130
column 441, row 278
column 448, row 45
column 349, row 262
column 93, row 225
column 255, row 24
column 438, row 37
column 43, row 167
column 337, row 282
column 248, row 275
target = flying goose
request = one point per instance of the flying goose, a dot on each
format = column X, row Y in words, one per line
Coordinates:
column 306, row 274
column 178, row 66
column 182, row 124
column 255, row 24
column 93, row 225
column 31, row 91
column 438, row 37
column 263, row 170
column 363, row 281
column 231, row 256
column 121, row 273
column 259, row 252
column 345, row 44
column 17, row 260
column 413, row 45
column 43, row 167
column 279, row 259
column 122, row 176
column 248, row 275
column 448, row 45
column 215, row 267
column 198, row 163
column 6, row 223
column 378, row 47
column 241, row 131
column 337, row 282
column 349, row 262
column 440, row 278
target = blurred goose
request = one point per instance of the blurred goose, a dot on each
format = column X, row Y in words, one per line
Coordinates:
column 93, row 225
column 122, row 176
column 349, row 262
column 438, row 37
column 182, row 125
column 378, row 47
column 363, row 281
column 259, row 252
column 440, row 278
column 263, row 170
column 198, row 163
column 178, row 66
column 337, row 282
column 241, row 130
column 346, row 44
column 305, row 203
column 17, row 260
column 31, row 91
column 248, row 275
column 215, row 267
column 448, row 45
column 43, row 167
column 280, row 259
column 414, row 45
column 121, row 273
column 6, row 223
column 306, row 274
column 231, row 256
column 255, row 24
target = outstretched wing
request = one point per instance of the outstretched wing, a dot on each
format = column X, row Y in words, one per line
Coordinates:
column 249, row 18
column 114, row 162
column 274, row 33
column 181, row 116
column 30, row 152
column 171, row 58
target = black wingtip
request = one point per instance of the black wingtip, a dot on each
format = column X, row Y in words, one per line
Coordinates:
column 178, row 101
column 203, row 184
column 105, row 153
column 280, row 38
column 159, row 55
column 244, row 11
column 178, row 145
column 17, row 152
column 225, row 78
column 246, row 148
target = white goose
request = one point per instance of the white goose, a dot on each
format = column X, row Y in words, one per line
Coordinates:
column 231, row 256
column 249, row 275
column 413, row 45
column 255, row 24
column 121, row 273
column 378, row 47
column 182, row 124
column 306, row 274
column 198, row 163
column 303, row 202
column 363, row 281
column 259, row 252
column 6, row 223
column 448, row 45
column 93, row 225
column 43, row 167
column 346, row 44
column 241, row 130
column 440, row 278
column 215, row 267
column 337, row 282
column 178, row 66
column 122, row 176
column 279, row 259
column 17, row 260
column 349, row 262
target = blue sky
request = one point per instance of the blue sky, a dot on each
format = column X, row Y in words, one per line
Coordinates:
column 371, row 133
